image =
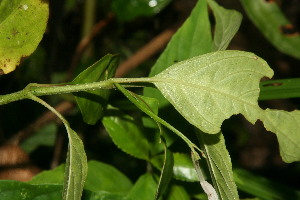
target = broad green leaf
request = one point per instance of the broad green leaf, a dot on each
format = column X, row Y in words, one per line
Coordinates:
column 210, row 88
column 286, row 126
column 44, row 137
column 192, row 39
column 178, row 193
column 131, row 9
column 14, row 190
column 183, row 168
column 54, row 176
column 126, row 133
column 107, row 178
column 76, row 167
column 93, row 103
column 219, row 163
column 269, row 19
column 166, row 173
column 263, row 188
column 280, row 89
column 144, row 188
column 227, row 24
column 103, row 195
column 100, row 177
column 22, row 25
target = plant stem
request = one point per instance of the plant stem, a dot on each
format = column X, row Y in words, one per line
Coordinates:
column 42, row 89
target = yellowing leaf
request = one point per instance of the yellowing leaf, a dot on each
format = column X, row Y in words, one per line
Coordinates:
column 210, row 88
column 22, row 25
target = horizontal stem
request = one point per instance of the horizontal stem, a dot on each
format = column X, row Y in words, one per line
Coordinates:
column 43, row 89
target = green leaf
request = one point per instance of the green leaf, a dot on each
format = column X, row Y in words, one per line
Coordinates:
column 197, row 30
column 93, row 103
column 100, row 177
column 102, row 195
column 227, row 24
column 131, row 9
column 144, row 188
column 286, row 126
column 14, row 190
column 105, row 177
column 210, row 88
column 183, row 168
column 44, row 137
column 126, row 133
column 219, row 163
column 263, row 188
column 280, row 89
column 269, row 19
column 177, row 193
column 166, row 173
column 22, row 25
column 76, row 167
column 54, row 176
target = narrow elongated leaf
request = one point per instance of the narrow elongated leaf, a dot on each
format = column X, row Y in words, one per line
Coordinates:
column 22, row 25
column 126, row 133
column 286, row 126
column 93, row 103
column 197, row 30
column 227, row 24
column 166, row 173
column 269, row 19
column 76, row 167
column 262, row 187
column 219, row 163
column 14, row 190
column 210, row 88
column 280, row 89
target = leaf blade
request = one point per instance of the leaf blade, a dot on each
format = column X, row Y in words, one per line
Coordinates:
column 20, row 30
column 226, row 82
column 93, row 103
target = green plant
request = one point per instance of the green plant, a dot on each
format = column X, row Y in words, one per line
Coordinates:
column 205, row 83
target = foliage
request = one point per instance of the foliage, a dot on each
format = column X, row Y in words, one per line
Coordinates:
column 195, row 80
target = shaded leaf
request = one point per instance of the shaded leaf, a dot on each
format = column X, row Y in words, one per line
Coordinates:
column 166, row 174
column 178, row 193
column 227, row 24
column 44, row 137
column 269, row 19
column 280, row 89
column 102, row 195
column 93, row 103
column 131, row 9
column 76, row 167
column 263, row 188
column 197, row 30
column 100, row 177
column 105, row 177
column 22, row 25
column 219, row 163
column 210, row 88
column 144, row 188
column 286, row 126
column 126, row 133
column 14, row 190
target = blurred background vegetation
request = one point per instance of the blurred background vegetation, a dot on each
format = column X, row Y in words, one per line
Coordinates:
column 81, row 32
